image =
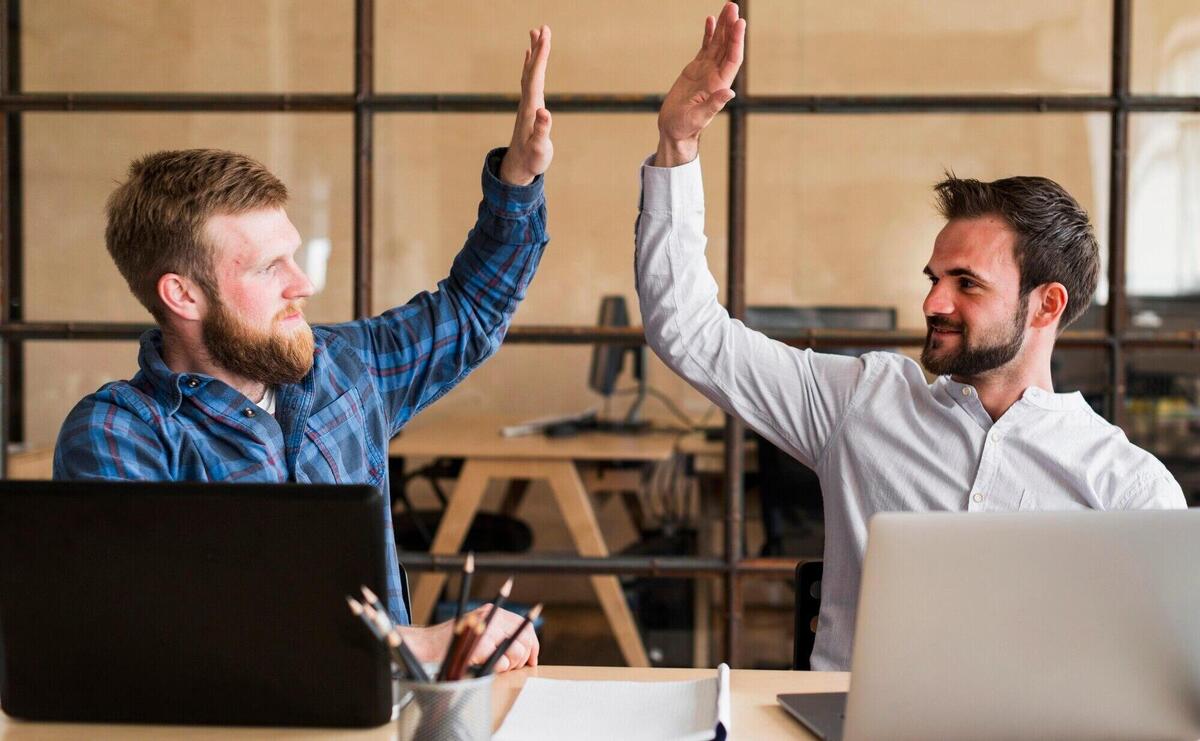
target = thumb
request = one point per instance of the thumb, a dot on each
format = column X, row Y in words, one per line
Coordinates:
column 717, row 100
column 542, row 123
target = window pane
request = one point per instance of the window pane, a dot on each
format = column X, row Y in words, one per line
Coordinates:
column 427, row 191
column 523, row 381
column 73, row 162
column 1166, row 47
column 922, row 48
column 1162, row 258
column 184, row 46
column 466, row 46
column 1162, row 408
column 840, row 210
column 58, row 374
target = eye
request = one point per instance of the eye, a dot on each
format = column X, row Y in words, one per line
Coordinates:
column 967, row 283
column 932, row 279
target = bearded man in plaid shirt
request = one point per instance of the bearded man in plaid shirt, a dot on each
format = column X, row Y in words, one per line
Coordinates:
column 234, row 385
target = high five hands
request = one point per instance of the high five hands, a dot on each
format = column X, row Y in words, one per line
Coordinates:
column 702, row 89
column 531, row 150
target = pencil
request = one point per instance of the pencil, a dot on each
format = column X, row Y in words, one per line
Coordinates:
column 508, row 642
column 501, row 598
column 360, row 610
column 401, row 650
column 459, row 667
column 464, row 591
column 444, row 669
column 497, row 604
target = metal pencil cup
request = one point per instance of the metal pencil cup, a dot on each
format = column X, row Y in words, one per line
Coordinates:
column 445, row 711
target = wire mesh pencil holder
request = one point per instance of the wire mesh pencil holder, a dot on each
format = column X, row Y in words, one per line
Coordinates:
column 445, row 711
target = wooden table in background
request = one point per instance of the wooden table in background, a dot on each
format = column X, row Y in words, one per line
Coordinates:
column 755, row 713
column 487, row 456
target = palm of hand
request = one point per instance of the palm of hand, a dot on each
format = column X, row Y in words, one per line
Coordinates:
column 703, row 88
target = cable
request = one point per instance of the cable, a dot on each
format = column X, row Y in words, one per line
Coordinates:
column 668, row 403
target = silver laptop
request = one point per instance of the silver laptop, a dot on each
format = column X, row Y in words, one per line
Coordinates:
column 1063, row 625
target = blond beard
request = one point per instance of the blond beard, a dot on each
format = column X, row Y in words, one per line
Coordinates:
column 272, row 358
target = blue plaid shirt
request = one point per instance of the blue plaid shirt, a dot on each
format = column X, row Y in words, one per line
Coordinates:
column 369, row 377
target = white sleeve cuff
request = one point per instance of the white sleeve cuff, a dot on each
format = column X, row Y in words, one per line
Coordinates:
column 672, row 189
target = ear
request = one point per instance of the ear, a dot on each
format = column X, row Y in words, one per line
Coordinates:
column 182, row 297
column 1048, row 301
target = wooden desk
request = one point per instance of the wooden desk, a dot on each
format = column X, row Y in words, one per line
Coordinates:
column 489, row 456
column 756, row 714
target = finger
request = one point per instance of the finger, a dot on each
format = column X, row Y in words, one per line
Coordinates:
column 541, row 124
column 734, row 51
column 502, row 664
column 717, row 101
column 710, row 24
column 541, row 57
column 534, row 650
column 517, row 654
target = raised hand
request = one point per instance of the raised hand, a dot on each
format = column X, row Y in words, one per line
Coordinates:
column 531, row 150
column 702, row 89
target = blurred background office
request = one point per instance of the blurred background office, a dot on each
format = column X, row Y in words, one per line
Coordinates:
column 818, row 192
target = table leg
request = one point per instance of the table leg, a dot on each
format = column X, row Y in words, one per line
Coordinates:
column 452, row 530
column 581, row 521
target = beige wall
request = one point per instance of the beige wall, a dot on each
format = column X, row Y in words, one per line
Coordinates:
column 839, row 212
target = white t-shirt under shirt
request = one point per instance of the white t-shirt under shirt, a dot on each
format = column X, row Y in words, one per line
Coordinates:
column 267, row 403
column 879, row 436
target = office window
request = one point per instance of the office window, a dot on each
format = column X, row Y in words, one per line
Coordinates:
column 428, row 168
column 64, row 373
column 185, row 46
column 465, row 46
column 73, row 162
column 899, row 47
column 840, row 208
column 1162, row 261
column 1166, row 47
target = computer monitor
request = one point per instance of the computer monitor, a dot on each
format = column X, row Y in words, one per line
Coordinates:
column 608, row 359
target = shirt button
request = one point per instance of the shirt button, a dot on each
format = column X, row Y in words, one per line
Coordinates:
column 966, row 391
column 193, row 383
column 978, row 497
column 248, row 412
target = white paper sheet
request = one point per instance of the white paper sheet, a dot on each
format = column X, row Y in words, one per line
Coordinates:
column 569, row 710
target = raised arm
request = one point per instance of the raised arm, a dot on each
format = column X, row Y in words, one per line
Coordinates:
column 418, row 351
column 793, row 398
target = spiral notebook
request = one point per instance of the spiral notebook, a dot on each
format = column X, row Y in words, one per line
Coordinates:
column 571, row 710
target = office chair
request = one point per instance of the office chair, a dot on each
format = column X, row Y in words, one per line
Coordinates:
column 808, row 607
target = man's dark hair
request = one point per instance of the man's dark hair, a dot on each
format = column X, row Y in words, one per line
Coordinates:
column 1055, row 241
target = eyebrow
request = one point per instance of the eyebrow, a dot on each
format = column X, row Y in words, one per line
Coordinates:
column 964, row 272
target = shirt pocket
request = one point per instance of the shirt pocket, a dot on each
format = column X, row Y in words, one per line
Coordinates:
column 340, row 434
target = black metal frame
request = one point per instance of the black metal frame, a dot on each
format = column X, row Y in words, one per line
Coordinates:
column 364, row 103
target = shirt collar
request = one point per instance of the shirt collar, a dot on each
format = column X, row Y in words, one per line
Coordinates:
column 962, row 393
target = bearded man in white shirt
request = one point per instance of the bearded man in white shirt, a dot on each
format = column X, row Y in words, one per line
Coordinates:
column 1015, row 264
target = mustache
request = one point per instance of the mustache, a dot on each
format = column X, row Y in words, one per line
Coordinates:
column 292, row 308
column 942, row 324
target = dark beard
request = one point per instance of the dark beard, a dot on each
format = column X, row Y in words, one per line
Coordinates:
column 971, row 361
column 266, row 358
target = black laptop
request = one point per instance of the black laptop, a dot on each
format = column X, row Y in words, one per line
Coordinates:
column 190, row 603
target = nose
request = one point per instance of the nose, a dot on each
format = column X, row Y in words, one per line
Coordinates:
column 938, row 302
column 299, row 286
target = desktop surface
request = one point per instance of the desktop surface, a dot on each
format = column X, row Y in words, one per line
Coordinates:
column 480, row 438
column 755, row 712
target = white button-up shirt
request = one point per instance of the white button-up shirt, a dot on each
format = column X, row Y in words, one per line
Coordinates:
column 877, row 434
